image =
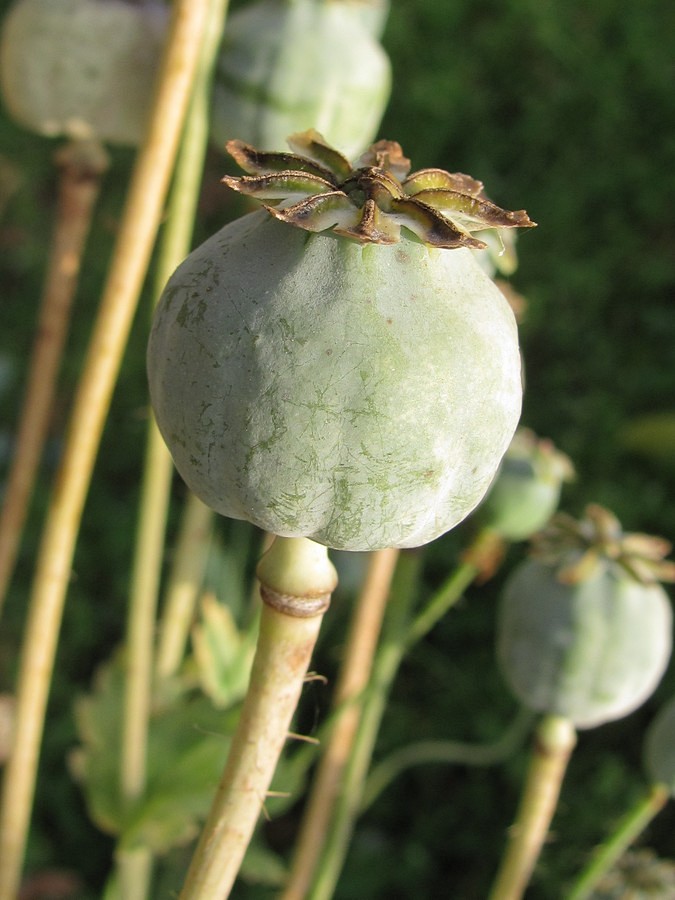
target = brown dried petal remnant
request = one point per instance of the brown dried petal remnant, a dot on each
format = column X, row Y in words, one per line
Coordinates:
column 577, row 548
column 316, row 188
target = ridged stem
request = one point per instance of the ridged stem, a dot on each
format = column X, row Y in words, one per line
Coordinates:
column 628, row 829
column 81, row 165
column 296, row 579
column 354, row 674
column 554, row 741
column 140, row 221
column 453, row 587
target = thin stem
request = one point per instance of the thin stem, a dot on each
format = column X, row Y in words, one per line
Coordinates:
column 184, row 582
column 385, row 666
column 82, row 165
column 139, row 225
column 296, row 582
column 555, row 739
column 401, row 633
column 632, row 824
column 454, row 586
column 135, row 866
column 354, row 675
column 446, row 752
column 134, row 872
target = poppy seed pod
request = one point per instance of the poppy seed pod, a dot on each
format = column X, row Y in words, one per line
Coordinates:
column 526, row 491
column 584, row 627
column 328, row 367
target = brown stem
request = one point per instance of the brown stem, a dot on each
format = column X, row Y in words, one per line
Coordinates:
column 354, row 675
column 82, row 165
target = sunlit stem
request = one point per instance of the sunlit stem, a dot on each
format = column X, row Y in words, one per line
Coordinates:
column 354, row 674
column 555, row 738
column 388, row 658
column 135, row 867
column 296, row 579
column 401, row 631
column 140, row 221
column 633, row 824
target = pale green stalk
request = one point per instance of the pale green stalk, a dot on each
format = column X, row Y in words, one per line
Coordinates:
column 135, row 867
column 554, row 741
column 386, row 664
column 140, row 221
column 445, row 752
column 453, row 587
column 633, row 823
column 296, row 580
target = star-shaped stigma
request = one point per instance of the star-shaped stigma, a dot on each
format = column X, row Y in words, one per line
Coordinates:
column 580, row 548
column 316, row 188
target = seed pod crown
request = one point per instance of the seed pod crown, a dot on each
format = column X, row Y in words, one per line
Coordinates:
column 578, row 549
column 317, row 188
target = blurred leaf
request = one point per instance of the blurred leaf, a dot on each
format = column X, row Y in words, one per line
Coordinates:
column 187, row 747
column 223, row 654
column 262, row 866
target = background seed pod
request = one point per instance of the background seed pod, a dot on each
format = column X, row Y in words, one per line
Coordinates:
column 526, row 491
column 592, row 651
column 288, row 66
column 82, row 68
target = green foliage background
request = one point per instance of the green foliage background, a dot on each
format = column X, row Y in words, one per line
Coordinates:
column 567, row 110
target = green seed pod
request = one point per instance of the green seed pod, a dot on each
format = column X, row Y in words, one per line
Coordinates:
column 288, row 65
column 584, row 630
column 526, row 491
column 82, row 68
column 354, row 386
column 659, row 748
column 373, row 14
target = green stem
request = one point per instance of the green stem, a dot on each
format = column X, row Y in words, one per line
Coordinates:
column 185, row 580
column 296, row 580
column 134, row 873
column 633, row 824
column 347, row 700
column 454, row 752
column 445, row 598
column 400, row 635
column 135, row 866
column 555, row 739
column 453, row 588
column 386, row 664
column 140, row 221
